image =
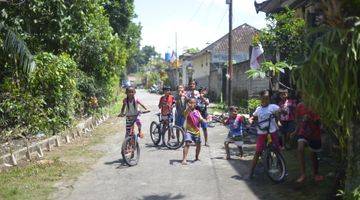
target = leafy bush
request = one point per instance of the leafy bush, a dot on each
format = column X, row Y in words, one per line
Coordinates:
column 54, row 81
column 253, row 104
column 21, row 112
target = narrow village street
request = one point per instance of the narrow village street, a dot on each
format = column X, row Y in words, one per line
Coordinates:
column 160, row 175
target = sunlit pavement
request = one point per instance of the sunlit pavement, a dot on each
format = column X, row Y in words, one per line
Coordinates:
column 160, row 175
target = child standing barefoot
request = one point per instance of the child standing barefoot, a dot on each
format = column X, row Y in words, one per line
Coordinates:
column 308, row 132
column 192, row 130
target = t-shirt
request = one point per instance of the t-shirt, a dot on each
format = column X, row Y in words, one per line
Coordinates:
column 131, row 106
column 180, row 104
column 308, row 127
column 166, row 103
column 192, row 94
column 289, row 106
column 235, row 125
column 193, row 121
column 201, row 105
column 263, row 113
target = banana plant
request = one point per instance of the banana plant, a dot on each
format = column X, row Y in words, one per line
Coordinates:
column 16, row 47
column 269, row 69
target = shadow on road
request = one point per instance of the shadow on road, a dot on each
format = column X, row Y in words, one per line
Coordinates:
column 121, row 164
column 155, row 148
column 163, row 197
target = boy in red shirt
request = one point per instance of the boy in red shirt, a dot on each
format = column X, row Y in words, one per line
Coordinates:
column 166, row 105
column 308, row 132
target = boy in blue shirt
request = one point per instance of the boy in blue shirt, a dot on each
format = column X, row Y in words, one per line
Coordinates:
column 235, row 125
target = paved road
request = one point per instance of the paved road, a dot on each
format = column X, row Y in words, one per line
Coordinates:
column 159, row 175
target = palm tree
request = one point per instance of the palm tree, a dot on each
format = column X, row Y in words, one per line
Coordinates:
column 16, row 47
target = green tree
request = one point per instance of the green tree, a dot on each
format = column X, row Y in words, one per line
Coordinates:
column 284, row 34
column 283, row 38
column 192, row 50
column 330, row 80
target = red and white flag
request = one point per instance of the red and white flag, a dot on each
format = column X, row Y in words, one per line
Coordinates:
column 256, row 53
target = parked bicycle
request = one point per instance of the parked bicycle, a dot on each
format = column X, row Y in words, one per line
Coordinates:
column 130, row 149
column 172, row 136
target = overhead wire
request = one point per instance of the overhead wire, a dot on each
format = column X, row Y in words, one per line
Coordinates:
column 197, row 10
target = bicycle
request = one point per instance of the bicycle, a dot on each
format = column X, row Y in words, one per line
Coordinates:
column 130, row 149
column 271, row 158
column 158, row 131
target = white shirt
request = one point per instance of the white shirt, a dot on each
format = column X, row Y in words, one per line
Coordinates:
column 263, row 113
column 192, row 94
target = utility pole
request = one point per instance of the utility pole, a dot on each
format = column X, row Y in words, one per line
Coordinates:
column 230, row 67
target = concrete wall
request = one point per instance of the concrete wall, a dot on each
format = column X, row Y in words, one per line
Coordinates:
column 215, row 83
column 242, row 86
column 201, row 66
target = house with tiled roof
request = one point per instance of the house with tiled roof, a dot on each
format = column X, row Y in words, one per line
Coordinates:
column 208, row 66
column 216, row 54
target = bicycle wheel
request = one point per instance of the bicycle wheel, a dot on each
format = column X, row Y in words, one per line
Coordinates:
column 173, row 137
column 155, row 133
column 275, row 166
column 130, row 151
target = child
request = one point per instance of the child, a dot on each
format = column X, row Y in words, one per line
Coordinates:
column 287, row 116
column 235, row 124
column 180, row 106
column 192, row 92
column 263, row 113
column 130, row 103
column 192, row 130
column 202, row 103
column 308, row 132
column 166, row 105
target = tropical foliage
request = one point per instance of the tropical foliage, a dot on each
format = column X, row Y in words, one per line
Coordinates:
column 283, row 42
column 80, row 48
column 330, row 80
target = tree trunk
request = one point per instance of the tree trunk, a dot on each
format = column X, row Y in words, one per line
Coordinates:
column 353, row 155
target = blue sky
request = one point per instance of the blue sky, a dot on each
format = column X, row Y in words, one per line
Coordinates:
column 196, row 22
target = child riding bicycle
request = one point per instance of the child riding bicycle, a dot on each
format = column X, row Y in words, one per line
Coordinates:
column 166, row 105
column 130, row 109
column 263, row 114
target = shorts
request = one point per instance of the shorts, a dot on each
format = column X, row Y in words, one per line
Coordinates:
column 314, row 144
column 129, row 122
column 190, row 137
column 237, row 140
column 204, row 125
column 287, row 127
column 260, row 141
column 179, row 120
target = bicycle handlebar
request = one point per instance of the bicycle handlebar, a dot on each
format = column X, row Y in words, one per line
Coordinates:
column 140, row 112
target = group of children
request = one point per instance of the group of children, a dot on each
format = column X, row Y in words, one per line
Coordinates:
column 191, row 107
column 293, row 118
